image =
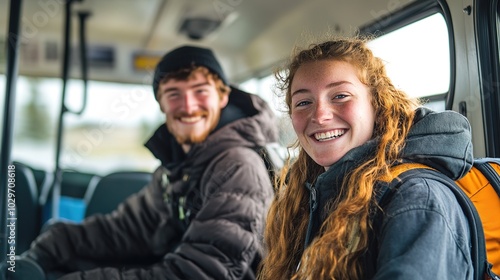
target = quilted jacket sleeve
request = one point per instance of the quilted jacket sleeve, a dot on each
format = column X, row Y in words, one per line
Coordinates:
column 224, row 238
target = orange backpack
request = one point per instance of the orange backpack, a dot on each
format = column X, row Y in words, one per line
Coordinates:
column 478, row 193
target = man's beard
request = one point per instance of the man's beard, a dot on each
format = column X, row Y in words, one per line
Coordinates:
column 193, row 138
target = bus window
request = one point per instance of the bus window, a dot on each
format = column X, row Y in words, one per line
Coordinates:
column 107, row 137
column 418, row 58
column 110, row 134
column 250, row 85
column 265, row 87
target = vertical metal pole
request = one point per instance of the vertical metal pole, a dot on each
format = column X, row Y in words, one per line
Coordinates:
column 56, row 187
column 83, row 16
column 11, row 78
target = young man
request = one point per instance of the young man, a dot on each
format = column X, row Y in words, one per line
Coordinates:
column 202, row 215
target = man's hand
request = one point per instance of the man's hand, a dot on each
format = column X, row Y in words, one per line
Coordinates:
column 22, row 268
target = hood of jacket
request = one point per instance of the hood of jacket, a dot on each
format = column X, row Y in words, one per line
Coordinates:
column 441, row 140
column 246, row 121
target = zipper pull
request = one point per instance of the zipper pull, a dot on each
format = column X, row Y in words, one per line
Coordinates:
column 165, row 184
column 182, row 201
column 313, row 204
column 312, row 197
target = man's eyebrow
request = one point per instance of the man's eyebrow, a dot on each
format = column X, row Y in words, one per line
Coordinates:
column 170, row 89
column 174, row 88
column 200, row 84
column 330, row 85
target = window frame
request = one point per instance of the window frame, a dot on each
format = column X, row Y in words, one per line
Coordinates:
column 487, row 17
column 412, row 13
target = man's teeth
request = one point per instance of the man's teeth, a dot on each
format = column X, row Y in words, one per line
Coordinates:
column 190, row 119
column 323, row 136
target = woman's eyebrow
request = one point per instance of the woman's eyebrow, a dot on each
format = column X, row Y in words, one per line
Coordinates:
column 339, row 83
column 330, row 85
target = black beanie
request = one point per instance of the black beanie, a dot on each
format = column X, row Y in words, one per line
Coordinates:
column 185, row 57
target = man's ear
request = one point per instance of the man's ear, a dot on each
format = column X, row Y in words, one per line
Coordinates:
column 159, row 105
column 224, row 100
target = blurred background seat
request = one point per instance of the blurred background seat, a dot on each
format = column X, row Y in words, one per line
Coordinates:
column 112, row 189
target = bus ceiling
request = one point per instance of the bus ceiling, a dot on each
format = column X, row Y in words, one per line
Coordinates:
column 126, row 38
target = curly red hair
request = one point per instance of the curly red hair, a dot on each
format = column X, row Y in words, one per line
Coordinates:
column 329, row 256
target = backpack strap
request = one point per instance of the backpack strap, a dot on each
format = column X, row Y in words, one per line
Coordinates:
column 490, row 167
column 401, row 168
column 388, row 184
column 478, row 249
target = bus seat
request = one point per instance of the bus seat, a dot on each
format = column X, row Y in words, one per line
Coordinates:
column 72, row 206
column 74, row 183
column 113, row 189
column 44, row 181
column 27, row 207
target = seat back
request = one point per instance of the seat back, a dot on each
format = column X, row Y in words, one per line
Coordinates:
column 113, row 189
column 27, row 208
column 71, row 204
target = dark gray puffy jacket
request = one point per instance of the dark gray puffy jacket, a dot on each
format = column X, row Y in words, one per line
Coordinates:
column 201, row 217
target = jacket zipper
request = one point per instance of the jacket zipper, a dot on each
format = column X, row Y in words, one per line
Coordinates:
column 313, row 205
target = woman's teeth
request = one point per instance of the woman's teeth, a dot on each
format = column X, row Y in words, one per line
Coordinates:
column 323, row 136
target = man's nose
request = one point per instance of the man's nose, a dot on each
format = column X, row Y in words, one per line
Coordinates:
column 190, row 103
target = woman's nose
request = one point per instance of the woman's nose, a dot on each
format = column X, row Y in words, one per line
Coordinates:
column 322, row 112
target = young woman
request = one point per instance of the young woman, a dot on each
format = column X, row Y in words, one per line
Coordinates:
column 353, row 125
